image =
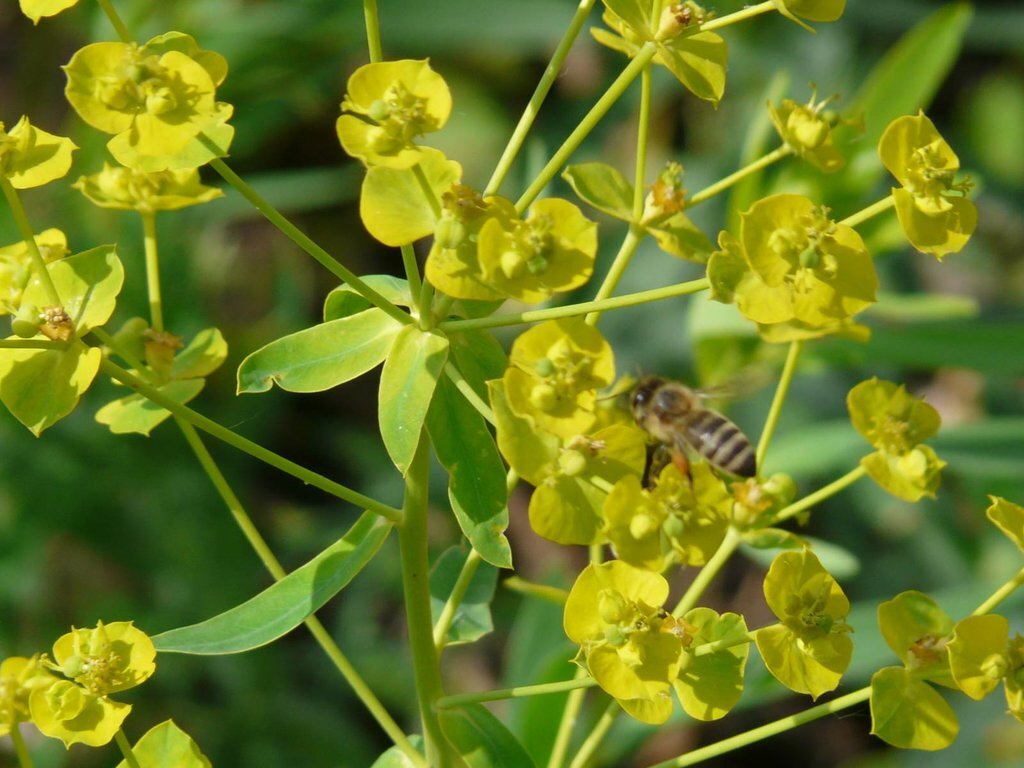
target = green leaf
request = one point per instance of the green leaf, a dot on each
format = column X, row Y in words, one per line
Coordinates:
column 1008, row 518
column 978, row 654
column 42, row 386
column 407, row 385
column 813, row 667
column 481, row 740
column 136, row 414
column 472, row 619
column 283, row 606
column 345, row 300
column 476, row 485
column 909, row 713
column 915, row 627
column 396, row 758
column 167, row 746
column 87, row 283
column 480, row 358
column 204, row 355
column 710, row 685
column 321, row 357
column 603, row 187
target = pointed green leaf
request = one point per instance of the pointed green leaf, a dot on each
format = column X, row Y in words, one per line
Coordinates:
column 709, row 685
column 407, row 385
column 281, row 607
column 480, row 358
column 472, row 618
column 42, row 386
column 136, row 414
column 908, row 713
column 1007, row 517
column 205, row 354
column 87, row 283
column 603, row 187
column 345, row 300
column 321, row 357
column 476, row 485
column 167, row 746
column 481, row 740
column 396, row 758
column 699, row 62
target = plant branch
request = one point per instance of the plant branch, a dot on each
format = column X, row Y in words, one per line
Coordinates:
column 451, row 605
column 708, row 572
column 156, row 313
column 33, row 344
column 25, row 230
column 469, row 393
column 820, row 495
column 126, row 749
column 573, row 310
column 741, row 15
column 521, row 691
column 248, row 446
column 567, row 725
column 20, row 748
column 372, row 30
column 872, row 210
column 115, row 20
column 596, row 736
column 1000, row 594
column 723, row 184
column 518, row 584
column 777, row 402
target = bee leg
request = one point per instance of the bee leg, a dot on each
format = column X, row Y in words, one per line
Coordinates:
column 682, row 463
column 659, row 457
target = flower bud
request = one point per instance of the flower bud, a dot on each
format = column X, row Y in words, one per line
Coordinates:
column 994, row 667
column 449, row 232
column 612, row 607
column 673, row 526
column 543, row 397
column 25, row 324
column 572, row 462
column 642, row 525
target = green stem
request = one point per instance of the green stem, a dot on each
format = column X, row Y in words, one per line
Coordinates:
column 115, row 20
column 573, row 310
column 554, row 595
column 522, row 130
column 469, row 393
column 156, row 312
column 1000, row 594
column 567, row 725
column 248, row 446
column 118, row 349
column 872, row 210
column 592, row 118
column 25, row 230
column 622, row 259
column 742, row 15
column 444, row 620
column 424, row 303
column 33, row 344
column 273, row 566
column 448, row 702
column 777, row 402
column 708, row 572
column 642, row 129
column 20, row 748
column 372, row 30
column 766, row 731
column 126, row 749
column 305, row 243
column 706, row 649
column 412, row 542
column 723, row 184
column 820, row 495
column 412, row 270
column 593, row 741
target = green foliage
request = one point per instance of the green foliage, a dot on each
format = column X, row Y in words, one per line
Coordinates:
column 481, row 740
column 166, row 745
column 472, row 618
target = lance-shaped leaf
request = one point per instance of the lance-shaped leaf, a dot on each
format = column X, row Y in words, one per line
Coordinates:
column 321, row 357
column 476, row 485
column 407, row 385
column 908, row 713
column 481, row 740
column 472, row 619
column 346, row 300
column 167, row 746
column 281, row 607
column 710, row 684
column 603, row 187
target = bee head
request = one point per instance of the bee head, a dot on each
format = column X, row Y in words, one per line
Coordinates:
column 642, row 393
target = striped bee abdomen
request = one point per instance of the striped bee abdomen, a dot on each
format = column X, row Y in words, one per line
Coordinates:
column 720, row 442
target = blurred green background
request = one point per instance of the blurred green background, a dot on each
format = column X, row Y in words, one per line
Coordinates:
column 94, row 526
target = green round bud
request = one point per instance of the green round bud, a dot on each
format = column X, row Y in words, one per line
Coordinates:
column 379, row 111
column 572, row 463
column 615, row 636
column 73, row 666
column 543, row 397
column 780, row 487
column 809, row 257
column 994, row 667
column 642, row 525
column 612, row 607
column 25, row 324
column 673, row 526
column 538, row 265
column 544, row 367
column 449, row 232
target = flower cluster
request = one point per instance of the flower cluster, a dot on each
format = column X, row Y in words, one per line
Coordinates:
column 807, row 130
column 31, row 157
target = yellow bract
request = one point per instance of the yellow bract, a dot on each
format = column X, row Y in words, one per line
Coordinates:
column 16, row 266
column 129, row 189
column 19, row 676
column 30, row 157
column 37, row 9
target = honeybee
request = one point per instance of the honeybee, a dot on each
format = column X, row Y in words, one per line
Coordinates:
column 675, row 416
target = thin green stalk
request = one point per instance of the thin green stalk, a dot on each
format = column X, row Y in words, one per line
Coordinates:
column 469, row 393
column 872, row 210
column 723, row 184
column 25, row 230
column 554, row 595
column 302, row 240
column 522, row 691
column 589, row 122
column 156, row 311
column 820, row 495
column 20, row 748
column 593, row 741
column 567, row 725
column 708, row 572
column 441, row 307
column 33, row 344
column 248, row 446
column 777, row 402
column 126, row 749
column 412, row 270
column 1000, row 594
column 444, row 620
column 630, row 242
column 522, row 130
column 412, row 542
column 767, row 731
column 115, row 20
column 273, row 566
column 372, row 30
column 706, row 649
column 573, row 310
column 426, row 299
column 738, row 16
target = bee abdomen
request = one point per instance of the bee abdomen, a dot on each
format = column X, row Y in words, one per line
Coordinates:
column 723, row 444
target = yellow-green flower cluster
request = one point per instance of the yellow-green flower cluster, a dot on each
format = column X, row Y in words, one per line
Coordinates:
column 128, row 189
column 75, row 706
column 932, row 207
column 31, row 157
column 159, row 100
column 16, row 267
column 37, row 9
column 807, row 131
column 896, row 423
column 793, row 271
